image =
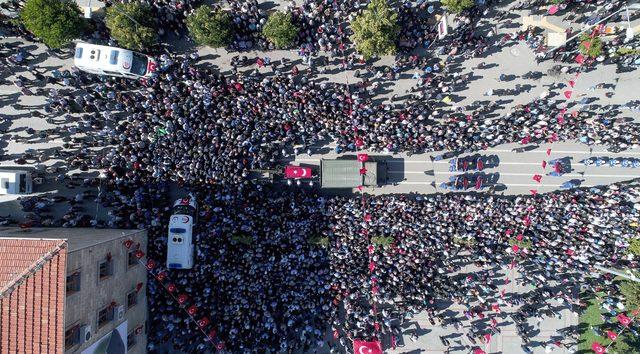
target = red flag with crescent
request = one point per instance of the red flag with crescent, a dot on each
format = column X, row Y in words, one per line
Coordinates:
column 487, row 338
column 192, row 310
column 515, row 248
column 537, row 178
column 533, row 191
column 161, row 276
column 128, row 243
column 525, row 140
column 171, row 288
column 363, row 171
column 362, row 347
column 150, row 264
column 624, row 320
column 612, row 335
column 544, row 164
column 297, row 172
column 182, row 298
column 548, row 152
column 363, row 157
column 139, row 254
column 519, row 237
column 203, row 322
column 567, row 94
column 597, row 347
column 479, row 351
column 359, row 142
column 495, row 308
column 372, row 266
column 580, row 58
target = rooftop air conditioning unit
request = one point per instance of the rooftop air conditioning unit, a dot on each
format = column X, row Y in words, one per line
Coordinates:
column 120, row 313
column 85, row 334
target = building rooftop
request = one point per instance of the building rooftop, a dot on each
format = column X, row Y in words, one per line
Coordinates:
column 32, row 285
column 77, row 238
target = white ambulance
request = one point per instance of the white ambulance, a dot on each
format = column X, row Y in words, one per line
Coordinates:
column 113, row 61
column 180, row 247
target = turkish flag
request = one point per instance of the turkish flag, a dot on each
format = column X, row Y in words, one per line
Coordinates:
column 597, row 347
column 367, row 217
column 192, row 310
column 363, row 171
column 572, row 83
column 515, row 248
column 480, row 165
column 567, row 94
column 372, row 266
column 553, row 9
column 519, row 237
column 203, row 322
column 580, row 58
column 479, row 183
column 161, row 276
column 612, row 335
column 359, row 142
column 624, row 320
column 586, row 45
column 544, row 164
column 182, row 298
column 548, row 152
column 487, row 338
column 362, row 347
column 525, row 140
column 557, row 167
column 537, row 178
column 151, row 264
column 479, row 351
column 570, row 252
column 297, row 172
column 363, row 157
column 533, row 191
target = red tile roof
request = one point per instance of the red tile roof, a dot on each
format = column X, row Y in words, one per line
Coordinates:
column 32, row 288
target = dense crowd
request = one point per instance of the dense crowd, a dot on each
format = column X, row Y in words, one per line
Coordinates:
column 278, row 273
column 307, row 288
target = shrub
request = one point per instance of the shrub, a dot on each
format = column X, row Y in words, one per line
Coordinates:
column 457, row 6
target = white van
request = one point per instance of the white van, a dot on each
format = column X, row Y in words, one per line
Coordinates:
column 15, row 182
column 180, row 247
column 113, row 61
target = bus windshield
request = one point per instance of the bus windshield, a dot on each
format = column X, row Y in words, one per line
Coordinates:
column 139, row 65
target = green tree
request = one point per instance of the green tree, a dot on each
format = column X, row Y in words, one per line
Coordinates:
column 209, row 27
column 631, row 291
column 131, row 25
column 590, row 46
column 634, row 247
column 375, row 30
column 279, row 30
column 55, row 22
column 457, row 6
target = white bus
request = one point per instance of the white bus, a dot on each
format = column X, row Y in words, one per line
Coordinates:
column 113, row 61
column 180, row 247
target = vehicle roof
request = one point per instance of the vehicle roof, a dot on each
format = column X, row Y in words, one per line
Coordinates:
column 125, row 56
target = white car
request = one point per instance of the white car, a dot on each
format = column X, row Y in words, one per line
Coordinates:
column 180, row 247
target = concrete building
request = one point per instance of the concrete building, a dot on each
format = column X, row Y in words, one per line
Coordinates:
column 101, row 305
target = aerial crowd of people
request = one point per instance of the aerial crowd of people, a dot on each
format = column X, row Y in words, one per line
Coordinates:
column 284, row 269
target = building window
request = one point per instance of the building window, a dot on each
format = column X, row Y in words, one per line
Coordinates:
column 105, row 316
column 132, row 299
column 72, row 336
column 132, row 260
column 105, row 268
column 73, row 282
column 131, row 339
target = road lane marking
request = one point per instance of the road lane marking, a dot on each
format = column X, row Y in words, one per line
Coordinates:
column 515, row 174
column 471, row 189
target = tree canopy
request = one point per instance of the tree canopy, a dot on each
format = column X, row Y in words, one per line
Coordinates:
column 590, row 46
column 131, row 25
column 55, row 22
column 375, row 30
column 280, row 30
column 209, row 27
column 457, row 6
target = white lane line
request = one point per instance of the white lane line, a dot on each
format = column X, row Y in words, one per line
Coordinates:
column 513, row 174
column 471, row 189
